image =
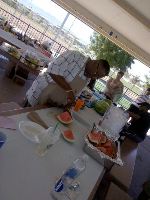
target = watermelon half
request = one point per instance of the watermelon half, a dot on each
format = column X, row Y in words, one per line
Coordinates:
column 65, row 118
column 68, row 135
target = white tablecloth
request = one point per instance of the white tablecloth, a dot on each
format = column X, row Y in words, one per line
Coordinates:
column 87, row 117
column 26, row 176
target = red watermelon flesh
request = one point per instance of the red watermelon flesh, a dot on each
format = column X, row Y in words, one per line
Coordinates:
column 103, row 138
column 69, row 136
column 65, row 118
column 96, row 137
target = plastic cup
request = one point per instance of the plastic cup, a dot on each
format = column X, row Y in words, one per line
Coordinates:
column 2, row 139
column 78, row 105
column 49, row 138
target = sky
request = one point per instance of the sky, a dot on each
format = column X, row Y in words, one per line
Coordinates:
column 78, row 28
column 139, row 69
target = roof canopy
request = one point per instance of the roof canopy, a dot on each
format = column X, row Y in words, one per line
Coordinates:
column 125, row 22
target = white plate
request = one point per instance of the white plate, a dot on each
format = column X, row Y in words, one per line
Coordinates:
column 31, row 131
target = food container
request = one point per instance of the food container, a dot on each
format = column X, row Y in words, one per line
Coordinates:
column 101, row 157
column 112, row 123
column 31, row 59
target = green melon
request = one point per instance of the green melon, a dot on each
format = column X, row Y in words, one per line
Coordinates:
column 102, row 106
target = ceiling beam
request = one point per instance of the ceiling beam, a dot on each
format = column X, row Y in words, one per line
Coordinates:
column 133, row 12
column 100, row 26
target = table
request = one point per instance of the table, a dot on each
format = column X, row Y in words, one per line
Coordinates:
column 24, row 175
column 16, row 61
column 12, row 40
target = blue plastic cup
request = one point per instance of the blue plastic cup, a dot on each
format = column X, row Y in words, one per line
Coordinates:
column 2, row 139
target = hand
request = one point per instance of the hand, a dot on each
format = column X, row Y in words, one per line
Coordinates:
column 70, row 98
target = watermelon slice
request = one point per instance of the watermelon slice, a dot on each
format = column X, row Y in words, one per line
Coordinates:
column 103, row 138
column 68, row 135
column 65, row 118
column 109, row 151
column 96, row 137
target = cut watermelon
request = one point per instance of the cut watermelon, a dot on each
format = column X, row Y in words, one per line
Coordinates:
column 69, row 136
column 109, row 151
column 65, row 118
column 96, row 137
column 103, row 138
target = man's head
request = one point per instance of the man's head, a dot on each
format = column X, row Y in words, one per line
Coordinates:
column 97, row 68
column 144, row 106
column 148, row 91
column 120, row 74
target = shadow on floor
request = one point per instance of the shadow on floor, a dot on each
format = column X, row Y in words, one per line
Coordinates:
column 142, row 168
column 13, row 91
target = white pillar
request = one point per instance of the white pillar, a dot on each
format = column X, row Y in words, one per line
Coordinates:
column 61, row 27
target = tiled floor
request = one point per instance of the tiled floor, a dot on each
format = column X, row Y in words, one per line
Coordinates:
column 13, row 91
column 141, row 172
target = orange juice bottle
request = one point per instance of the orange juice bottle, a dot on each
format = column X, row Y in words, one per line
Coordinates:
column 78, row 105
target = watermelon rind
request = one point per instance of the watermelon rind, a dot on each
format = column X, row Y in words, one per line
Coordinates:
column 63, row 122
column 67, row 139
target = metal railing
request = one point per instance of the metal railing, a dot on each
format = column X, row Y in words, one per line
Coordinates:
column 32, row 32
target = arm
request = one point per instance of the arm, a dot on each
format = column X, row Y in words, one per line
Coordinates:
column 61, row 81
column 108, row 83
column 118, row 93
column 108, row 91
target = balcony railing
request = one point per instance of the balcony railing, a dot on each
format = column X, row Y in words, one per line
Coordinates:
column 32, row 32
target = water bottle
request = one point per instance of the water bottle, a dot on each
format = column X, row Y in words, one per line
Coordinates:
column 64, row 188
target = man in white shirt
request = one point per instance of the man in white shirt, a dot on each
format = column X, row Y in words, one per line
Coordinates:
column 70, row 72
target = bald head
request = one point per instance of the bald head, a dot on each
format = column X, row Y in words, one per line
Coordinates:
column 97, row 68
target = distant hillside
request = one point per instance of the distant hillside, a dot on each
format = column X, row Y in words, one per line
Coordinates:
column 44, row 14
column 23, row 5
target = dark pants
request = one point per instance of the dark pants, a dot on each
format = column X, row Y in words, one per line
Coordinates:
column 133, row 137
column 138, row 128
column 133, row 109
column 143, row 196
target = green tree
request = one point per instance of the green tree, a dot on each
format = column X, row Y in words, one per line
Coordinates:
column 103, row 48
column 12, row 3
column 147, row 83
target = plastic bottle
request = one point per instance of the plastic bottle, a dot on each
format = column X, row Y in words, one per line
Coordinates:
column 62, row 186
column 79, row 104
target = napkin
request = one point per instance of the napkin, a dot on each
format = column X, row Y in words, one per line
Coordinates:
column 8, row 123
